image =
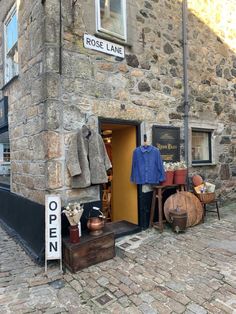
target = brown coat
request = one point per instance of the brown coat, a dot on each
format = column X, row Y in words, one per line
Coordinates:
column 87, row 159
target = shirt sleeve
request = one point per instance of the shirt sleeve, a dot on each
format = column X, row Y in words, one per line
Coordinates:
column 161, row 168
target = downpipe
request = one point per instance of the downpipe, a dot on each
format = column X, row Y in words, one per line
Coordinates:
column 185, row 78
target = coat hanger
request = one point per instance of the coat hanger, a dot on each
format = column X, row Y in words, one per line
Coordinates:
column 86, row 130
column 145, row 144
column 86, row 126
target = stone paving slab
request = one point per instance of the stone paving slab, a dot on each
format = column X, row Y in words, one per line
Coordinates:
column 191, row 272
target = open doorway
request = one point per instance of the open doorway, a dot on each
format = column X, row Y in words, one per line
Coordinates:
column 119, row 195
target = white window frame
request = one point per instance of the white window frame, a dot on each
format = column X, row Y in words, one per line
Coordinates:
column 212, row 127
column 5, row 166
column 13, row 71
column 99, row 27
column 209, row 133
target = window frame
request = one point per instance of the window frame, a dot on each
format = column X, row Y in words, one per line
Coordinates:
column 101, row 30
column 6, row 153
column 7, row 78
column 205, row 161
column 3, row 129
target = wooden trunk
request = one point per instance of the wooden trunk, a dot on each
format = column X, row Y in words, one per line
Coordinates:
column 89, row 251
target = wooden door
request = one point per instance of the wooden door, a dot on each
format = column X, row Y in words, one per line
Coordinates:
column 124, row 193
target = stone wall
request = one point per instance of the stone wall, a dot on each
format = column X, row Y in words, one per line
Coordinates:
column 212, row 82
column 148, row 84
column 26, row 96
column 61, row 83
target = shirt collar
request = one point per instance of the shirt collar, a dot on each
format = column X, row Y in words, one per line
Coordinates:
column 145, row 149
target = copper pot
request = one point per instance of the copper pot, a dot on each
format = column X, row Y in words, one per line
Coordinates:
column 178, row 220
column 95, row 225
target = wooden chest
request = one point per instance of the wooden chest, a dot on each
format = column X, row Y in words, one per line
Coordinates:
column 89, row 251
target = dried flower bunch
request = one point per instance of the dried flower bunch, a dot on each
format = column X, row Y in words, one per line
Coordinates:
column 180, row 165
column 168, row 166
column 73, row 213
column 171, row 166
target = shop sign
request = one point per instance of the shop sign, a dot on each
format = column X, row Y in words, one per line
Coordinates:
column 95, row 43
column 52, row 227
column 167, row 139
column 3, row 112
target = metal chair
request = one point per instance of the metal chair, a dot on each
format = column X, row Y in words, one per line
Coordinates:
column 206, row 198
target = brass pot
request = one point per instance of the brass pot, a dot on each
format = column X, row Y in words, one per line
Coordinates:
column 178, row 220
column 95, row 225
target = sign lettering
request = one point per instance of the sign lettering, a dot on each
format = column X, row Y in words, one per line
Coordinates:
column 53, row 227
column 92, row 42
column 167, row 140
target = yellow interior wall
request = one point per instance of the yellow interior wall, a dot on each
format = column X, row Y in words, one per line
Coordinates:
column 124, row 193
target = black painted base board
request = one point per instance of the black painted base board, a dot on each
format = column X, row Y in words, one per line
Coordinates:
column 24, row 220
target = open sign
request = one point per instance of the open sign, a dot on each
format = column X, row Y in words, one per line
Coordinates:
column 52, row 227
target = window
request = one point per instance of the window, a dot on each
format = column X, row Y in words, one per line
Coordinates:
column 11, row 45
column 4, row 159
column 111, row 17
column 4, row 143
column 201, row 146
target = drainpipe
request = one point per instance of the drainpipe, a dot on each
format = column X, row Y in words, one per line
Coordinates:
column 60, row 38
column 185, row 78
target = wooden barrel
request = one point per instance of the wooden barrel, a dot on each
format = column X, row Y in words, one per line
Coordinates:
column 186, row 202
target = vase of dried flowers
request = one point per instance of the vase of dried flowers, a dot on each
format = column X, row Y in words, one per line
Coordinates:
column 74, row 234
column 73, row 213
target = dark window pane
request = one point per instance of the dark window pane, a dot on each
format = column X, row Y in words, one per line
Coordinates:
column 4, row 159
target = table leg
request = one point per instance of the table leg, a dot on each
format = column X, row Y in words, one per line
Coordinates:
column 160, row 218
column 152, row 208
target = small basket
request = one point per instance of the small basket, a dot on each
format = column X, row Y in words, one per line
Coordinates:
column 206, row 197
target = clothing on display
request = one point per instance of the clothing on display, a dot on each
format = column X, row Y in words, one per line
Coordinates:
column 147, row 165
column 87, row 159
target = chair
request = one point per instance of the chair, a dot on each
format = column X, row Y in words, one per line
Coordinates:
column 205, row 198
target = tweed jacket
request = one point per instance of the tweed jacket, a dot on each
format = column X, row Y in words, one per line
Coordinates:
column 87, row 159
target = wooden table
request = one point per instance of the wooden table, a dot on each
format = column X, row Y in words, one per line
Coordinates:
column 158, row 191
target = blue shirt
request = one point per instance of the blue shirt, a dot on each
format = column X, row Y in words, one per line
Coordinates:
column 147, row 166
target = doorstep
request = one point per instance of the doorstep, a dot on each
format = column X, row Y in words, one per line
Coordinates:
column 121, row 228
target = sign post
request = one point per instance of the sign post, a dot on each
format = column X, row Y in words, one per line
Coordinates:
column 52, row 229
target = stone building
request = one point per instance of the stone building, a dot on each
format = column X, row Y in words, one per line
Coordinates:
column 178, row 70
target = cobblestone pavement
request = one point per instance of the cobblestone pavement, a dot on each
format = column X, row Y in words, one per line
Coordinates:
column 192, row 272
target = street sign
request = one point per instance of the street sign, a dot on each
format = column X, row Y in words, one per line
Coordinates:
column 95, row 43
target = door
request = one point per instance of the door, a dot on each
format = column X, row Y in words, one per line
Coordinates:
column 124, row 193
